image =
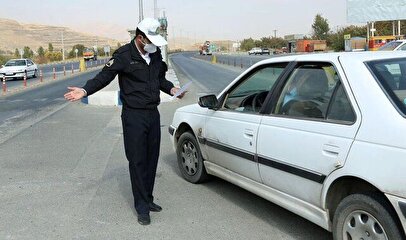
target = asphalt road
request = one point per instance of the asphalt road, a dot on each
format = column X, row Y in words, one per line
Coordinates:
column 64, row 173
column 19, row 108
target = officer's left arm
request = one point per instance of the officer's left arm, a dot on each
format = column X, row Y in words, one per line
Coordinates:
column 164, row 84
column 106, row 75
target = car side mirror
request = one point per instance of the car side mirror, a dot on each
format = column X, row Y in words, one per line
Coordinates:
column 209, row 101
column 2, row 66
column 29, row 64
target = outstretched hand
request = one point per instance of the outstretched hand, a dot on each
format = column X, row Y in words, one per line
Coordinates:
column 74, row 94
column 174, row 90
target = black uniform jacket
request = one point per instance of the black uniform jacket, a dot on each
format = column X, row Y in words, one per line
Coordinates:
column 139, row 82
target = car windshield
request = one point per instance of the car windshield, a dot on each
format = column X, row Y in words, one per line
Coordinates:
column 391, row 74
column 390, row 46
column 13, row 63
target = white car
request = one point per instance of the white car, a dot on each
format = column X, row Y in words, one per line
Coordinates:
column 255, row 51
column 397, row 45
column 18, row 68
column 322, row 135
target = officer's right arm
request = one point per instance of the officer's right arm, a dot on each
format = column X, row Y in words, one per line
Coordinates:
column 107, row 74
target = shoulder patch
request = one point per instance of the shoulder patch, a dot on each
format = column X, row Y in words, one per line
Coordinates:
column 110, row 63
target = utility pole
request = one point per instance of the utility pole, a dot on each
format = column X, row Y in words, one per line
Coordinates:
column 398, row 28
column 156, row 10
column 164, row 31
column 141, row 10
column 173, row 38
column 63, row 49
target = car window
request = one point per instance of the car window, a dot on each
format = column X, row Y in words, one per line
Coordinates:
column 340, row 108
column 250, row 94
column 308, row 92
column 13, row 63
column 391, row 74
column 390, row 46
column 402, row 48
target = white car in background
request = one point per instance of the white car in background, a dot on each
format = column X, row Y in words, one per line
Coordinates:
column 322, row 135
column 255, row 51
column 396, row 45
column 18, row 68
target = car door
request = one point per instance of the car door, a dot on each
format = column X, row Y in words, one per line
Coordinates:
column 308, row 132
column 30, row 67
column 231, row 132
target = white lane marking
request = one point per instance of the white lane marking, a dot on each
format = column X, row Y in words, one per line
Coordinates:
column 40, row 99
column 17, row 100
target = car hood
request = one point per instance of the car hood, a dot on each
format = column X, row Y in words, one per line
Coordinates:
column 12, row 68
column 192, row 108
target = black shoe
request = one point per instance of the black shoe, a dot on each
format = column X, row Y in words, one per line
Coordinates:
column 144, row 219
column 154, row 207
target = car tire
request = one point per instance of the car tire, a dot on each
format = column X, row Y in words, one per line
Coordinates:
column 365, row 216
column 190, row 160
column 35, row 74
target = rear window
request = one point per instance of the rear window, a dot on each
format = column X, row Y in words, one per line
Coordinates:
column 391, row 75
column 390, row 46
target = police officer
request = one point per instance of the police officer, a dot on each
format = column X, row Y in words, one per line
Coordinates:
column 141, row 76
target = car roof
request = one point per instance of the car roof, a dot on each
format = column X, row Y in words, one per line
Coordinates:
column 15, row 59
column 358, row 56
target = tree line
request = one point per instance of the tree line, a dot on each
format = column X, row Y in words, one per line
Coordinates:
column 50, row 54
column 321, row 31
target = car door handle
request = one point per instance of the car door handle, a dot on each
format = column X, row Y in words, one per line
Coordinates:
column 249, row 133
column 331, row 150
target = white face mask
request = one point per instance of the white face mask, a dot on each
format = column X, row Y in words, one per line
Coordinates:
column 149, row 47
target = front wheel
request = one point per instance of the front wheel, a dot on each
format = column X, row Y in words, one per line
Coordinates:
column 190, row 160
column 361, row 216
column 35, row 74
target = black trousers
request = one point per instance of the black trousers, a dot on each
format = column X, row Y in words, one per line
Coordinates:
column 142, row 138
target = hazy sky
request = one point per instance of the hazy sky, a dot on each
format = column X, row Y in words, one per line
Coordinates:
column 204, row 19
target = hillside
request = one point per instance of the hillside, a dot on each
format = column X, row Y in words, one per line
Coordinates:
column 17, row 35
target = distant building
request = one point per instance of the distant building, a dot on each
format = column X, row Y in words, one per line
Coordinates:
column 355, row 44
column 292, row 40
column 236, row 46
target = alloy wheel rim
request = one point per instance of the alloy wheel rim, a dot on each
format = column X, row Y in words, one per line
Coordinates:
column 189, row 158
column 362, row 225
